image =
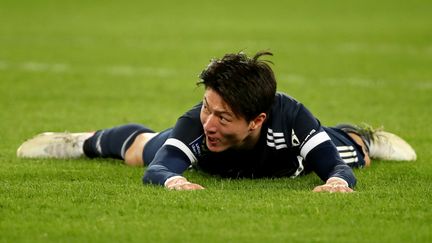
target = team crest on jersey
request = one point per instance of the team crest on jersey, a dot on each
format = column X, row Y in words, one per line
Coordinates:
column 294, row 139
column 276, row 139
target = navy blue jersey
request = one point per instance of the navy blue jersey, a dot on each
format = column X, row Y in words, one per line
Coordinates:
column 292, row 141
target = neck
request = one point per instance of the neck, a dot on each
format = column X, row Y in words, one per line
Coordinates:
column 251, row 140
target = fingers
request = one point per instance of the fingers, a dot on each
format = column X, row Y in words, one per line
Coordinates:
column 182, row 184
column 334, row 184
column 333, row 188
column 187, row 187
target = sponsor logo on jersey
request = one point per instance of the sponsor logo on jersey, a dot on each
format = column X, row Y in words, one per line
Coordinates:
column 198, row 146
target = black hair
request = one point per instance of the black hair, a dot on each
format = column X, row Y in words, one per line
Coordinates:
column 247, row 85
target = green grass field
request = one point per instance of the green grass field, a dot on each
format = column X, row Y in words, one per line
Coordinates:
column 85, row 65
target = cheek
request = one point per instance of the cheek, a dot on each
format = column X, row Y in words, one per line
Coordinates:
column 203, row 118
column 230, row 137
column 234, row 135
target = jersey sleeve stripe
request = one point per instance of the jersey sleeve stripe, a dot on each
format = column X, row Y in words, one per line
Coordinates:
column 314, row 141
column 345, row 148
column 281, row 146
column 180, row 145
column 348, row 154
column 123, row 148
column 269, row 137
column 278, row 134
column 350, row 160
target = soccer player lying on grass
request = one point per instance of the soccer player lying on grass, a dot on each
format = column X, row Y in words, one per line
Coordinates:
column 242, row 128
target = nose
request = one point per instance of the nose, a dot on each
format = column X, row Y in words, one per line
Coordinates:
column 210, row 124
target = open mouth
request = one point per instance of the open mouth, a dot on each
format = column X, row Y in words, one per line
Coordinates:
column 212, row 141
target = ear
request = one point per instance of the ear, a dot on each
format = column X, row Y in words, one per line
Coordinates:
column 258, row 121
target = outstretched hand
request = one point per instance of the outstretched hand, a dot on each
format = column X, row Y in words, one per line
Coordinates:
column 181, row 184
column 334, row 185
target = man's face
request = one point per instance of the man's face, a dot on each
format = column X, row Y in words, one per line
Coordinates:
column 222, row 128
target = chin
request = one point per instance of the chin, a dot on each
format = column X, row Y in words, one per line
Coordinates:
column 216, row 149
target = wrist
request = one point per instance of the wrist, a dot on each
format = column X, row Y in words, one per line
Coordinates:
column 337, row 181
column 176, row 181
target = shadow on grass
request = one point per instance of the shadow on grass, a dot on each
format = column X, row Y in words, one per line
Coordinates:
column 301, row 183
column 116, row 170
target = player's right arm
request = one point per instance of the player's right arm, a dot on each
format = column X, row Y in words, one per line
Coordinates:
column 167, row 168
column 175, row 156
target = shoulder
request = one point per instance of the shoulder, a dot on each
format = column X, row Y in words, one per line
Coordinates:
column 189, row 122
column 281, row 119
column 285, row 102
column 292, row 118
column 193, row 113
column 284, row 106
column 188, row 132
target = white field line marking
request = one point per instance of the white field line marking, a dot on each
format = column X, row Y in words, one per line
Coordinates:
column 3, row 65
column 127, row 70
column 352, row 81
column 383, row 48
column 116, row 70
column 135, row 71
column 44, row 67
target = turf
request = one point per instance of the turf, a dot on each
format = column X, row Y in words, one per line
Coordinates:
column 85, row 65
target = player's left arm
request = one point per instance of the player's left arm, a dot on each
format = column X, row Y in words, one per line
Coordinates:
column 321, row 154
column 327, row 164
